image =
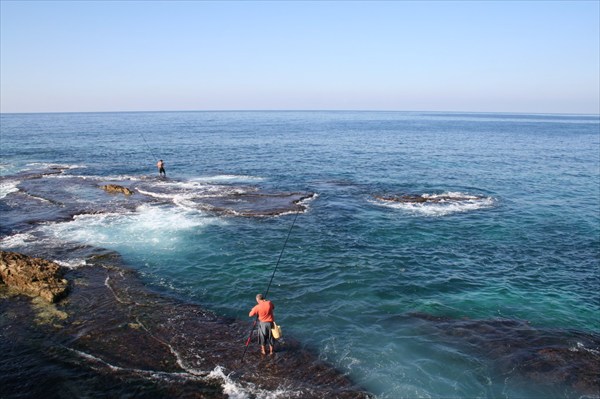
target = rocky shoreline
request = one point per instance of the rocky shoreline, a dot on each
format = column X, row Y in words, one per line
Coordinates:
column 122, row 337
column 115, row 328
column 32, row 276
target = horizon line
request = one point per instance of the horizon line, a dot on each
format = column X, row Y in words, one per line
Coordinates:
column 303, row 110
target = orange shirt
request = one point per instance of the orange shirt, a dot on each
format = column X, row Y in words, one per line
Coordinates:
column 264, row 310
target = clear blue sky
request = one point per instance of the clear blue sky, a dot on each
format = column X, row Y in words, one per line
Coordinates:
column 530, row 56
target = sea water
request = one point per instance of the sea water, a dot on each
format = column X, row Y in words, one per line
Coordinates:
column 521, row 242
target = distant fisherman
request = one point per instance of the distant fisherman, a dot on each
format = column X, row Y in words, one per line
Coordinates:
column 161, row 168
column 264, row 310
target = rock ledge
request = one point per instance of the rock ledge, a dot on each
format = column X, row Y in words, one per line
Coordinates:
column 115, row 188
column 32, row 276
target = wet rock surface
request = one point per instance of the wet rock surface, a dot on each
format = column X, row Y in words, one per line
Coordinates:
column 32, row 276
column 53, row 194
column 257, row 204
column 118, row 330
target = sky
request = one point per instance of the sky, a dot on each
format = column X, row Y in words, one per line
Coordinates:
column 465, row 56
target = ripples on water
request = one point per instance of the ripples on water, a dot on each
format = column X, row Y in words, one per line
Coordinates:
column 355, row 267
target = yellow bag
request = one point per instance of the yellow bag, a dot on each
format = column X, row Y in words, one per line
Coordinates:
column 276, row 331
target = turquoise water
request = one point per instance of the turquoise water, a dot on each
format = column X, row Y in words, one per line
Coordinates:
column 524, row 245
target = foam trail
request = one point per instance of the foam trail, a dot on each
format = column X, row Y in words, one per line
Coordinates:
column 7, row 188
column 106, row 283
column 228, row 178
column 71, row 264
column 231, row 388
column 45, row 165
column 154, row 374
column 16, row 240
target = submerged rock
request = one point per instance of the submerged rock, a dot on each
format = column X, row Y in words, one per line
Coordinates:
column 564, row 359
column 420, row 199
column 256, row 204
column 115, row 188
column 32, row 276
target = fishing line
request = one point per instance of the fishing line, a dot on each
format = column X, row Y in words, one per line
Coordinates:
column 281, row 253
column 269, row 286
column 149, row 149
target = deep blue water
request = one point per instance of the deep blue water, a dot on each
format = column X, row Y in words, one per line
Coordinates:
column 524, row 246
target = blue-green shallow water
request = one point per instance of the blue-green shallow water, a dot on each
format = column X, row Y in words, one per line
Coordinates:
column 355, row 267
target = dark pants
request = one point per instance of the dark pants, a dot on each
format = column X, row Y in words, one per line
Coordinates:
column 264, row 333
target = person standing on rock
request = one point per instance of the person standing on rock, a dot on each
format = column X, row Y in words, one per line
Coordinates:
column 161, row 168
column 264, row 311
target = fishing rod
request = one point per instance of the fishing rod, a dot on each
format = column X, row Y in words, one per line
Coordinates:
column 149, row 149
column 269, row 286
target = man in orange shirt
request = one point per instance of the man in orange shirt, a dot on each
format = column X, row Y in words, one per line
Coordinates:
column 264, row 311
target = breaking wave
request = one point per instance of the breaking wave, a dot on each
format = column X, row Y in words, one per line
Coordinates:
column 436, row 205
column 154, row 226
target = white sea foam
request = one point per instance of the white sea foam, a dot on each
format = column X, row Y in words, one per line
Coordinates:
column 82, row 177
column 148, row 373
column 44, row 165
column 582, row 347
column 186, row 192
column 16, row 240
column 200, row 188
column 185, row 202
column 153, row 228
column 22, row 241
column 108, row 179
column 307, row 201
column 230, row 388
column 450, row 194
column 71, row 263
column 8, row 187
column 463, row 203
column 228, row 178
column 169, row 196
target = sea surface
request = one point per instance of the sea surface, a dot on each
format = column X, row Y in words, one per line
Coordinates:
column 399, row 295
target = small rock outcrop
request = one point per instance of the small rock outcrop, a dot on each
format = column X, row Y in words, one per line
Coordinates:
column 115, row 188
column 32, row 276
column 420, row 199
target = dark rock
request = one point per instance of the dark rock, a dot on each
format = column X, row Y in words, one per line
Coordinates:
column 32, row 276
column 257, row 204
column 120, row 331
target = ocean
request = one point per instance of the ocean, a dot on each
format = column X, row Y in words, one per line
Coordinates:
column 427, row 245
